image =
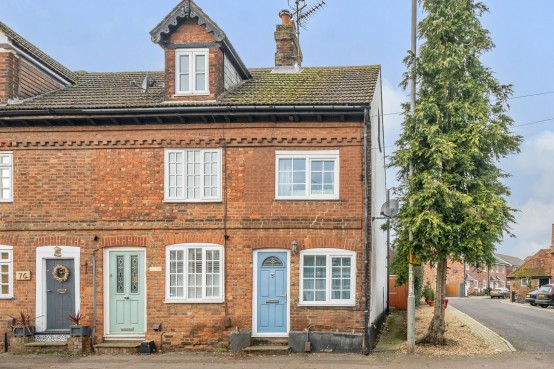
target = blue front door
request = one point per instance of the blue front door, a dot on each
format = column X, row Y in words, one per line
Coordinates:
column 272, row 292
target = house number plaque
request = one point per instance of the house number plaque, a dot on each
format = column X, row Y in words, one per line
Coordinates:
column 23, row 275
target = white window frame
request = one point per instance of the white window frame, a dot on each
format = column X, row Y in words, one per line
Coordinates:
column 9, row 263
column 484, row 284
column 192, row 53
column 476, row 284
column 310, row 156
column 183, row 198
column 9, row 167
column 524, row 282
column 184, row 299
column 329, row 253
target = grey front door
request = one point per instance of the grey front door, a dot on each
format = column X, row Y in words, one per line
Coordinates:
column 60, row 293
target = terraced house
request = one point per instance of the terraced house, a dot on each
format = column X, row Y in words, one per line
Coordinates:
column 196, row 207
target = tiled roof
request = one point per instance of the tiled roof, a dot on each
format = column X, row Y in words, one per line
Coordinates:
column 538, row 265
column 325, row 85
column 345, row 86
column 512, row 260
column 37, row 53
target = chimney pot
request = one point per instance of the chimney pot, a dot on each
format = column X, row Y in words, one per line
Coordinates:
column 285, row 16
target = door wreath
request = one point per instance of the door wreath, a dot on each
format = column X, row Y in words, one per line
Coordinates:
column 60, row 273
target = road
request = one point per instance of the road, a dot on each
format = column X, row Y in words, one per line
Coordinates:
column 529, row 329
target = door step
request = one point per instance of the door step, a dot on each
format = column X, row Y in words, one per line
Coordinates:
column 269, row 346
column 270, row 341
column 51, row 336
column 267, row 350
column 118, row 347
column 46, row 346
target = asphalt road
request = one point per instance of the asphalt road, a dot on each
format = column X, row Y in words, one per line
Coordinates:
column 529, row 329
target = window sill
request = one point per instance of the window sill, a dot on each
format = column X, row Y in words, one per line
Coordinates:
column 191, row 302
column 191, row 94
column 307, row 198
column 330, row 304
column 6, row 297
column 192, row 201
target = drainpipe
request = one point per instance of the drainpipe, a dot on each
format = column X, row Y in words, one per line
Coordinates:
column 367, row 230
column 93, row 339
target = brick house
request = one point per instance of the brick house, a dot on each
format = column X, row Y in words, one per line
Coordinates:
column 536, row 271
column 465, row 280
column 183, row 205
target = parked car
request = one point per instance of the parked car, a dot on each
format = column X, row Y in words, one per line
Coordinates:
column 531, row 296
column 500, row 293
column 545, row 296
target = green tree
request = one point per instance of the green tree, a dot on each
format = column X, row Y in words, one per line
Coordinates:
column 452, row 195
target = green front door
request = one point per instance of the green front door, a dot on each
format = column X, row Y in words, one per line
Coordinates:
column 127, row 292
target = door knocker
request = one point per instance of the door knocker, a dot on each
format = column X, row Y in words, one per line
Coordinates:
column 60, row 273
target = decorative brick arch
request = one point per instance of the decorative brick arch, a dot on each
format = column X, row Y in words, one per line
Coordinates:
column 58, row 240
column 273, row 243
column 115, row 241
column 174, row 239
column 331, row 243
column 8, row 240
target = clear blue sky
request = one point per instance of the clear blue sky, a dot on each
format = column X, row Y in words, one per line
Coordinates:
column 113, row 35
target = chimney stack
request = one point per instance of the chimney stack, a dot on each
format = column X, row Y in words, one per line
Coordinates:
column 288, row 54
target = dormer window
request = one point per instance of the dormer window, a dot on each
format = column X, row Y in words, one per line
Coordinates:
column 191, row 72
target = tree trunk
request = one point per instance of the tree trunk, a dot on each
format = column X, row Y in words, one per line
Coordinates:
column 435, row 334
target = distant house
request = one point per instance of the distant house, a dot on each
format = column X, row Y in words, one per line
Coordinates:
column 536, row 271
column 463, row 279
column 188, row 204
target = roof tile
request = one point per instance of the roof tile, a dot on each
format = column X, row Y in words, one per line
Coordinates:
column 313, row 86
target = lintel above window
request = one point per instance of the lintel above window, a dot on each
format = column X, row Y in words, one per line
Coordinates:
column 307, row 175
column 192, row 72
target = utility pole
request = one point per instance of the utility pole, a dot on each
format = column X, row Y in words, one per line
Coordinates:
column 411, row 294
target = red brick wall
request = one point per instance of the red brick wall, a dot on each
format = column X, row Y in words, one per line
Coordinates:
column 72, row 184
column 9, row 76
column 191, row 32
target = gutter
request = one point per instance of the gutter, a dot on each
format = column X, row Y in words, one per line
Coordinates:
column 270, row 109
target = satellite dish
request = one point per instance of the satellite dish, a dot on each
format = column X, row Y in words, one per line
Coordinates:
column 390, row 208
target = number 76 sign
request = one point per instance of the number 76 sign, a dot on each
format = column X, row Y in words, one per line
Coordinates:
column 23, row 275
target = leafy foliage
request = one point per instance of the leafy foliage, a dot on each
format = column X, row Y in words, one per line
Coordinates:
column 453, row 200
column 24, row 319
column 76, row 318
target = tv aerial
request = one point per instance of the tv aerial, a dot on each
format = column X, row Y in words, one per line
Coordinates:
column 302, row 13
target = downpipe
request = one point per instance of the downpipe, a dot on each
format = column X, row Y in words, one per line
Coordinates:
column 366, row 231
